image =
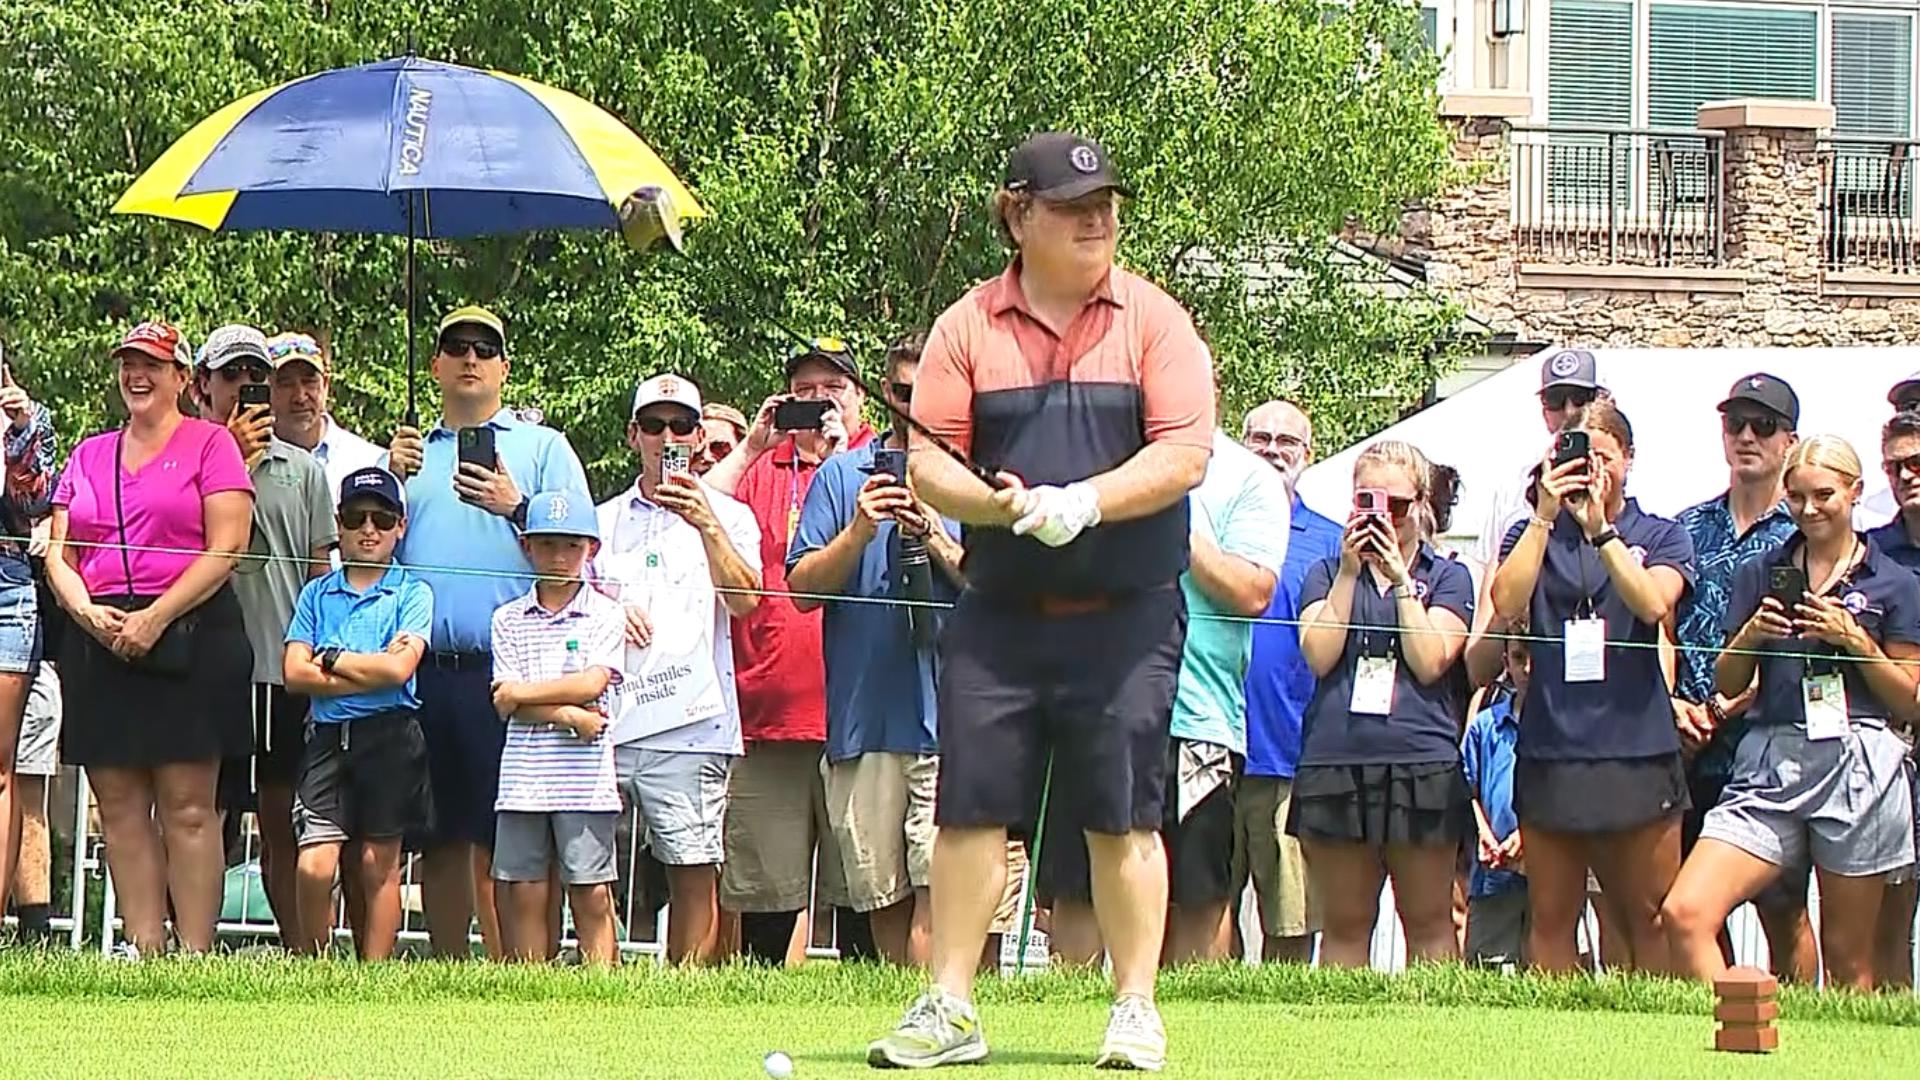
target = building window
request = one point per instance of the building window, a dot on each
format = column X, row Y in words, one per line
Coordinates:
column 1701, row 54
column 1873, row 75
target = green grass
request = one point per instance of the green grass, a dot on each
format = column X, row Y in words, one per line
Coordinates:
column 234, row 1017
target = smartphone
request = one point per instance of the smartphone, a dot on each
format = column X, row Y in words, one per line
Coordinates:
column 1371, row 502
column 1788, row 585
column 476, row 448
column 1572, row 446
column 676, row 459
column 796, row 415
column 891, row 461
column 255, row 393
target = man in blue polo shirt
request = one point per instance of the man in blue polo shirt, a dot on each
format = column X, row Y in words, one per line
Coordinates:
column 1749, row 519
column 462, row 540
column 864, row 535
column 1279, row 685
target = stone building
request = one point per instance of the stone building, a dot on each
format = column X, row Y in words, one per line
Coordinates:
column 1679, row 174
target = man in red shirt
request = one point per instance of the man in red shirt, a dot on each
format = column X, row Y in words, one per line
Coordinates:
column 776, row 814
column 1089, row 390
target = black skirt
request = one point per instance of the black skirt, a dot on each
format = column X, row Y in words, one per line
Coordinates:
column 119, row 716
column 1426, row 804
column 1611, row 795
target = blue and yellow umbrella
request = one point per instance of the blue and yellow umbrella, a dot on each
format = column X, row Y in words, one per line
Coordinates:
column 410, row 147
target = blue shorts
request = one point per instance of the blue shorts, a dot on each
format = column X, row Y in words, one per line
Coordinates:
column 19, row 618
column 464, row 740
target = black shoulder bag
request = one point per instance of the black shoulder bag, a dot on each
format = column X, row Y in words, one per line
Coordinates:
column 173, row 653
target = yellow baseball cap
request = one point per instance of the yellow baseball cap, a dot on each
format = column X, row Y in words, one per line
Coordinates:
column 476, row 315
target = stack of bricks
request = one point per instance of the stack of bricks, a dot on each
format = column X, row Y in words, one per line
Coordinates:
column 1746, row 1010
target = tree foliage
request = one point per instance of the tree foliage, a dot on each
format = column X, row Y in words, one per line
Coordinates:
column 847, row 149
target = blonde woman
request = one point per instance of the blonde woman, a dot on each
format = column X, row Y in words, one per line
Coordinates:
column 1598, row 781
column 1379, row 792
column 1824, row 622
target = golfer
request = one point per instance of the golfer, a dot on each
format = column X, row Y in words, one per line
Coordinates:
column 1088, row 390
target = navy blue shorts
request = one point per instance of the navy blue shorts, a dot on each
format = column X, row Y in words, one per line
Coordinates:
column 464, row 742
column 1092, row 692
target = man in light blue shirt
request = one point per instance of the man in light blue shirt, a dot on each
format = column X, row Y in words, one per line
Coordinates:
column 1240, row 516
column 463, row 540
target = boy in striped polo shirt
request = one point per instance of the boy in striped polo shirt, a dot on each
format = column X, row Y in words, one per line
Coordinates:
column 556, row 654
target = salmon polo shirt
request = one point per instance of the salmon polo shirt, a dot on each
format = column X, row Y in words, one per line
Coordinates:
column 997, row 383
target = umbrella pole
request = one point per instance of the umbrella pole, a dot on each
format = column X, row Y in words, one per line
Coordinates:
column 413, row 411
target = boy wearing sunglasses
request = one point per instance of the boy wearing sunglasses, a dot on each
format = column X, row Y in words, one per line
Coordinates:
column 356, row 639
column 1757, row 422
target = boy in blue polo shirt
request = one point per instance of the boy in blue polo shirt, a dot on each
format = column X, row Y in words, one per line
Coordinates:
column 1497, row 888
column 356, row 638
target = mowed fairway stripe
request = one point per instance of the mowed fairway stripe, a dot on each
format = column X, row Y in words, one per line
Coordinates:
column 47, row 1037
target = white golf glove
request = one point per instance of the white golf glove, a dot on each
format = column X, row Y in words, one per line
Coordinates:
column 1055, row 515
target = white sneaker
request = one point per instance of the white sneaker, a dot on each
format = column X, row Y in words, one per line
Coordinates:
column 126, row 952
column 1135, row 1037
column 939, row 1029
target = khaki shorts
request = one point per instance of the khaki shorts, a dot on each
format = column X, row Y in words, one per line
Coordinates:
column 1263, row 850
column 1006, row 917
column 880, row 807
column 776, row 815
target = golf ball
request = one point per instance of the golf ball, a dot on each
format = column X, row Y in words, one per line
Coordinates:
column 778, row 1065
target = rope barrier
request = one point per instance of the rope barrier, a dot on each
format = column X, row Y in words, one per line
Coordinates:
column 530, row 577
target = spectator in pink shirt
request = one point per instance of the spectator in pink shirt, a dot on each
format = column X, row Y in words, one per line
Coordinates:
column 148, row 523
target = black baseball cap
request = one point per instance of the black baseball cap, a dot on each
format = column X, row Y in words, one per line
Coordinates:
column 1770, row 392
column 376, row 483
column 1060, row 166
column 828, row 350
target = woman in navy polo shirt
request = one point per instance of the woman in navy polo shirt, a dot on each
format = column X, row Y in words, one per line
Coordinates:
column 1598, row 782
column 1379, row 790
column 1820, row 776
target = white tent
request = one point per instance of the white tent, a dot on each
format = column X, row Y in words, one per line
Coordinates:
column 1492, row 430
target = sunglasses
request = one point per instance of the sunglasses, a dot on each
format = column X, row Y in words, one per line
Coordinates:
column 654, row 425
column 258, row 373
column 1909, row 465
column 1257, row 439
column 902, row 391
column 1559, row 397
column 384, row 520
column 458, row 348
column 1765, row 427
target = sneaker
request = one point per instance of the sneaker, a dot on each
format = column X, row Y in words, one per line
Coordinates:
column 939, row 1029
column 1135, row 1037
column 125, row 952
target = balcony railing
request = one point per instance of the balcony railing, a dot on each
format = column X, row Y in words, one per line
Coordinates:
column 1867, row 205
column 1628, row 196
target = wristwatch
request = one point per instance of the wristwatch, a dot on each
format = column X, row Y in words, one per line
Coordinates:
column 1605, row 537
column 327, row 657
column 519, row 518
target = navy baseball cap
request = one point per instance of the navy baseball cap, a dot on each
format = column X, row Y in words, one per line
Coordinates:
column 1060, row 166
column 1570, row 367
column 561, row 513
column 374, row 482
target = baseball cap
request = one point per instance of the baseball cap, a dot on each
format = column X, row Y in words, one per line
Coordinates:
column 1570, row 367
column 1908, row 387
column 474, row 315
column 667, row 389
column 714, row 410
column 829, row 350
column 284, row 349
column 1770, row 392
column 561, row 513
column 374, row 482
column 158, row 340
column 233, row 344
column 1061, row 166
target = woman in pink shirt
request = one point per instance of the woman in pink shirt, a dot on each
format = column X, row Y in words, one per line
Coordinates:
column 147, row 523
